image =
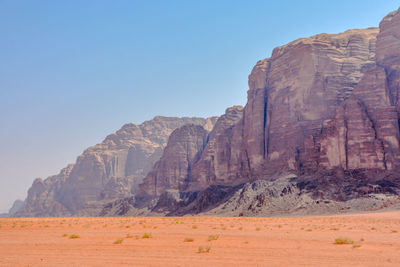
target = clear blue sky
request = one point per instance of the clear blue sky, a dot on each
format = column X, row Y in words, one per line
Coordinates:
column 72, row 72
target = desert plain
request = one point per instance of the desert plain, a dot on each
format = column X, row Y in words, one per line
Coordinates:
column 369, row 240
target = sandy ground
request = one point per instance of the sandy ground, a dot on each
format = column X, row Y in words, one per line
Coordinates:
column 306, row 241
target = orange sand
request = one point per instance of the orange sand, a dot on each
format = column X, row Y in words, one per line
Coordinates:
column 241, row 241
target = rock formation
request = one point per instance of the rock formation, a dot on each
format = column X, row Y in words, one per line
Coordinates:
column 17, row 205
column 320, row 127
column 172, row 171
column 107, row 171
column 324, row 106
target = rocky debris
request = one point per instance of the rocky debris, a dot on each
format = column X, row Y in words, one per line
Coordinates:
column 125, row 207
column 327, row 192
column 105, row 172
column 284, row 196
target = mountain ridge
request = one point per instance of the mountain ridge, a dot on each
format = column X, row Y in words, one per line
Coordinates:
column 319, row 132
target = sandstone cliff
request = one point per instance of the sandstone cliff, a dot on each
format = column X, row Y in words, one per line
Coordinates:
column 325, row 102
column 319, row 133
column 107, row 171
column 172, row 171
column 321, row 109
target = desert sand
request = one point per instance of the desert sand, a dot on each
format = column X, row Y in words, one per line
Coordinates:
column 202, row 241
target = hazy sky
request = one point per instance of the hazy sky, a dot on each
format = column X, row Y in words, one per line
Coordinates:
column 72, row 72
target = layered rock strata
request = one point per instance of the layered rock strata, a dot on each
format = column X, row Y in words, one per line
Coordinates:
column 328, row 103
column 107, row 171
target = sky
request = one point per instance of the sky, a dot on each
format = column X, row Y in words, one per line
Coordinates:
column 72, row 72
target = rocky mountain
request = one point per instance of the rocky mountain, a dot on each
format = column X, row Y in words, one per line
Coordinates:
column 320, row 128
column 319, row 134
column 17, row 205
column 107, row 171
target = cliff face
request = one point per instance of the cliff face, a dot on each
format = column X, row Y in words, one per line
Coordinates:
column 105, row 172
column 320, row 107
column 172, row 171
column 321, row 123
column 325, row 102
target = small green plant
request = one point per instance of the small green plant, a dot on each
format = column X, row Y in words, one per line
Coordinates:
column 147, row 235
column 188, row 239
column 335, row 229
column 213, row 237
column 394, row 231
column 64, row 235
column 309, row 230
column 343, row 241
column 119, row 241
column 194, row 227
column 203, row 249
column 74, row 236
column 356, row 245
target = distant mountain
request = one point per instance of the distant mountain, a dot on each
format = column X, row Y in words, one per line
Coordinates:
column 105, row 172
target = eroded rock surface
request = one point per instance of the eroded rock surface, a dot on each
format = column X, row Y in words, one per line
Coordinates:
column 327, row 103
column 107, row 171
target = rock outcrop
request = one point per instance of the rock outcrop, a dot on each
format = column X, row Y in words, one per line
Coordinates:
column 324, row 102
column 172, row 171
column 107, row 171
column 320, row 105
column 319, row 133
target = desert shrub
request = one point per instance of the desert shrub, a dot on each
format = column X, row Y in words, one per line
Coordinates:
column 74, row 236
column 203, row 249
column 119, row 241
column 147, row 235
column 213, row 237
column 343, row 241
column 188, row 239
